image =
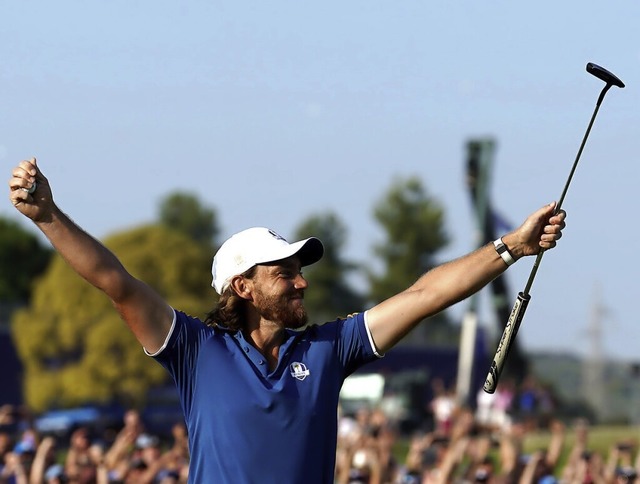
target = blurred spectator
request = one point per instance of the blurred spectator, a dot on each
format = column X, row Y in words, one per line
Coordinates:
column 473, row 449
column 45, row 468
column 494, row 409
column 626, row 474
column 79, row 465
column 55, row 475
column 6, row 443
column 365, row 449
column 133, row 422
column 443, row 406
column 13, row 470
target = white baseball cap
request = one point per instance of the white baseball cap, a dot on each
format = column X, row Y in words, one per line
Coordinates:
column 258, row 245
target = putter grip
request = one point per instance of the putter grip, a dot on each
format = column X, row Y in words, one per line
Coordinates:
column 508, row 336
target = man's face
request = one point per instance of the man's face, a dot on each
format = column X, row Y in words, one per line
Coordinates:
column 279, row 293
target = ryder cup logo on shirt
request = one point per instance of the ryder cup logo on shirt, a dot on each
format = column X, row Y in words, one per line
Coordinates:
column 299, row 370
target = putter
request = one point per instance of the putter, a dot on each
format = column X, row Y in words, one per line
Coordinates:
column 520, row 306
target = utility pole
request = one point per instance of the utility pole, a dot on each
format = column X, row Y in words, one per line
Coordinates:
column 593, row 377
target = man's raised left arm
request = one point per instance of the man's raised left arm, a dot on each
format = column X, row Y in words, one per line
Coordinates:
column 456, row 280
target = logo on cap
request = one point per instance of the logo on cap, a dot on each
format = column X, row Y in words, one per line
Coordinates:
column 299, row 370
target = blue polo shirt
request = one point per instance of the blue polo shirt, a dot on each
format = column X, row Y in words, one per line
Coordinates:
column 249, row 425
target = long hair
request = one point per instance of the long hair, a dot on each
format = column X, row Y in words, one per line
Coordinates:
column 230, row 311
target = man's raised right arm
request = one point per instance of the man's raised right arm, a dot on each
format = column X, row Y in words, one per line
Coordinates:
column 148, row 316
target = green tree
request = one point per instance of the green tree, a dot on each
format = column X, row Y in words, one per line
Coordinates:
column 72, row 343
column 414, row 226
column 22, row 259
column 330, row 296
column 184, row 212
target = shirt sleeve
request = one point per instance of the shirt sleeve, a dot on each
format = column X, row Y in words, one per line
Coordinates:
column 354, row 345
column 179, row 354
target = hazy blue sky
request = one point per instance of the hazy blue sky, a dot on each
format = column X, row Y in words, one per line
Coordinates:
column 273, row 110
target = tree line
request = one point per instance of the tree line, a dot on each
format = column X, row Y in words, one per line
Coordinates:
column 75, row 349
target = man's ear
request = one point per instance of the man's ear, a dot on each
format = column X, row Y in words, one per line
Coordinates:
column 241, row 287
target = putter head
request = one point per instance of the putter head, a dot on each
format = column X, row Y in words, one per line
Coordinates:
column 604, row 75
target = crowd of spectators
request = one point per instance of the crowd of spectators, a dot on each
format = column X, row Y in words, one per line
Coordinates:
column 129, row 455
column 459, row 446
column 484, row 445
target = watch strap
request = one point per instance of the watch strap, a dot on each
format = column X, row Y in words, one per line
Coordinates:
column 503, row 252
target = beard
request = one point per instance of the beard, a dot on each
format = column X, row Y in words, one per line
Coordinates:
column 277, row 309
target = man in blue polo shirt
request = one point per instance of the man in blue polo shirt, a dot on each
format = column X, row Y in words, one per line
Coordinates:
column 259, row 394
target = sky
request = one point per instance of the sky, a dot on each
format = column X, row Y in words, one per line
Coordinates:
column 270, row 112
